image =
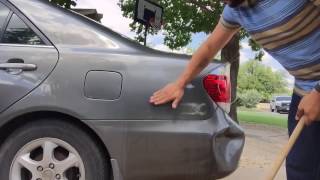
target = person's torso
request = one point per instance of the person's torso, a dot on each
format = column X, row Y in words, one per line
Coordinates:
column 289, row 30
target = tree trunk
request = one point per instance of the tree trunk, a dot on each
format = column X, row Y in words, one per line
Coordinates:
column 231, row 53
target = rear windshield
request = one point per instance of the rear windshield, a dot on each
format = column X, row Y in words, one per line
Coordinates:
column 283, row 98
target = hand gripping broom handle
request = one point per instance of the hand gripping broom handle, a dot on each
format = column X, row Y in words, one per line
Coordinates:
column 286, row 149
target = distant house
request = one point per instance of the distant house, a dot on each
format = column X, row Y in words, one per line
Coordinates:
column 91, row 13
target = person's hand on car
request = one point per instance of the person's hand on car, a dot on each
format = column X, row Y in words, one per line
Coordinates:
column 309, row 107
column 172, row 92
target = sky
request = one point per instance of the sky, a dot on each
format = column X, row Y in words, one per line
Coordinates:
column 112, row 18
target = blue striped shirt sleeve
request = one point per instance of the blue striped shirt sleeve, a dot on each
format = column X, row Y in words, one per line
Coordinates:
column 229, row 18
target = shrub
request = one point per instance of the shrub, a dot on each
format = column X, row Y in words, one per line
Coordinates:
column 250, row 98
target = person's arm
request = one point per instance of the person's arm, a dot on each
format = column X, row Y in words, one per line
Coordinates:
column 200, row 59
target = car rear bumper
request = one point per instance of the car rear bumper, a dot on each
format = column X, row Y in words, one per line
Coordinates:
column 283, row 108
column 178, row 149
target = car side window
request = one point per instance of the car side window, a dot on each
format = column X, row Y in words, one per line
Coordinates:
column 18, row 32
column 4, row 12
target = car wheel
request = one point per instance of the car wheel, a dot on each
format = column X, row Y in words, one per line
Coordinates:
column 52, row 149
column 272, row 110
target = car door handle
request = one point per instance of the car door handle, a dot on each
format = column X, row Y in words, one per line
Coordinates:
column 19, row 66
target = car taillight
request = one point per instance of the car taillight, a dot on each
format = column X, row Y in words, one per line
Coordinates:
column 217, row 87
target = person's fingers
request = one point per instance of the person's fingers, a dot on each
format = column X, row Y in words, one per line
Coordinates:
column 299, row 114
column 176, row 103
column 307, row 120
column 158, row 92
column 162, row 101
column 153, row 98
column 156, row 97
column 166, row 95
column 159, row 99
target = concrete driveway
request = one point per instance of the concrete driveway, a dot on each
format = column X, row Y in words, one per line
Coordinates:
column 263, row 143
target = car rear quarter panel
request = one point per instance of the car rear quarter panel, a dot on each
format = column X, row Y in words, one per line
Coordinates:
column 142, row 75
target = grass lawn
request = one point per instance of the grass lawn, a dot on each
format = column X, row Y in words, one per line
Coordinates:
column 267, row 118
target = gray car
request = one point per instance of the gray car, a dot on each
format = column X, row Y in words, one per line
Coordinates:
column 74, row 104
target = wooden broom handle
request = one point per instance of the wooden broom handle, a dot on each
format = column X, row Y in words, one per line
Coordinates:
column 286, row 149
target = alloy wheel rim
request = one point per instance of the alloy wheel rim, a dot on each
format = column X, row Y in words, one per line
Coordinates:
column 47, row 159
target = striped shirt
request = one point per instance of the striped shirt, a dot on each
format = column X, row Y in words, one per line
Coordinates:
column 289, row 30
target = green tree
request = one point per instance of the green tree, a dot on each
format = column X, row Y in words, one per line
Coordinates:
column 64, row 3
column 253, row 75
column 183, row 18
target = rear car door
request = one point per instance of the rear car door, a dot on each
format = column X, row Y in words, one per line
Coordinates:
column 26, row 56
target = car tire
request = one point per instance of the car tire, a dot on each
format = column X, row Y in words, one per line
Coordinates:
column 67, row 144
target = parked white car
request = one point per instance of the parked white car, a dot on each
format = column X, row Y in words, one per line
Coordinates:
column 280, row 104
